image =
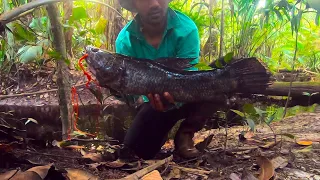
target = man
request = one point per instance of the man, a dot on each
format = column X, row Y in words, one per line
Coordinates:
column 157, row 31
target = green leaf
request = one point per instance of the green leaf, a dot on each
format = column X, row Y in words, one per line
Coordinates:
column 228, row 57
column 289, row 135
column 271, row 118
column 77, row 14
column 278, row 14
column 22, row 33
column 238, row 112
column 304, row 150
column 39, row 24
column 259, row 111
column 101, row 25
column 317, row 19
column 251, row 124
column 54, row 54
column 29, row 53
column 202, row 66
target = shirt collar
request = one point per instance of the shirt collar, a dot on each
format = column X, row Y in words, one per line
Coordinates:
column 172, row 22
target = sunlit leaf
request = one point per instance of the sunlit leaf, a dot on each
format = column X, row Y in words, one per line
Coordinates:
column 238, row 112
column 77, row 14
column 202, row 66
column 101, row 25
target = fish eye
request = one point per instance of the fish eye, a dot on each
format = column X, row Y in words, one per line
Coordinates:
column 94, row 49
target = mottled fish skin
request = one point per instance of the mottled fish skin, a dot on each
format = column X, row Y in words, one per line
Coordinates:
column 132, row 76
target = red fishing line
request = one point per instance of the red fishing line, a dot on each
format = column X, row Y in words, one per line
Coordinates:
column 74, row 99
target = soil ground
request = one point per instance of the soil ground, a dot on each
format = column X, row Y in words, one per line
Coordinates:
column 239, row 156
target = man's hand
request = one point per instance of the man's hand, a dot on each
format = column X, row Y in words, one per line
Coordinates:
column 156, row 102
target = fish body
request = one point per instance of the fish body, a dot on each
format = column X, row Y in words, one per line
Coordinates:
column 133, row 76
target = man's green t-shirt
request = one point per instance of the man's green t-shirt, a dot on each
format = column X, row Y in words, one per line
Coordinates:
column 180, row 40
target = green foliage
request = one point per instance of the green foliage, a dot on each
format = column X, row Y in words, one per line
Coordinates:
column 29, row 53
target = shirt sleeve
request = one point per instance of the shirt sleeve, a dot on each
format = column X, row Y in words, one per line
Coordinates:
column 189, row 46
column 122, row 47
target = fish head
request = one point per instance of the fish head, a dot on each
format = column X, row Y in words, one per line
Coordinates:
column 104, row 66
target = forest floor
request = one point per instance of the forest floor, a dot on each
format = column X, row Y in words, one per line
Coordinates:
column 235, row 154
column 295, row 155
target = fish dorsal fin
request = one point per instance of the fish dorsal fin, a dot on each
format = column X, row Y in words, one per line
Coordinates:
column 176, row 63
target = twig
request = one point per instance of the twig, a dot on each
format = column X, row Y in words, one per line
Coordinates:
column 144, row 171
column 32, row 93
column 93, row 140
column 190, row 170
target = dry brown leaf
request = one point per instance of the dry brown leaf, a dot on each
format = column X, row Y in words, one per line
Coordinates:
column 27, row 175
column 96, row 157
column 9, row 174
column 114, row 164
column 267, row 168
column 41, row 170
column 304, row 143
column 153, row 175
column 174, row 173
column 269, row 145
column 77, row 174
column 279, row 162
column 234, row 176
column 74, row 147
column 249, row 135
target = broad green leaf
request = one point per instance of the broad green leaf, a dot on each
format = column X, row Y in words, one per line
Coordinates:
column 202, row 66
column 228, row 57
column 251, row 124
column 21, row 33
column 317, row 19
column 29, row 53
column 250, row 110
column 314, row 93
column 218, row 64
column 77, row 14
column 271, row 118
column 238, row 112
column 101, row 25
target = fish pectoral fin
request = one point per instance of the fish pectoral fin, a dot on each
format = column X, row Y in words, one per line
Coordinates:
column 176, row 63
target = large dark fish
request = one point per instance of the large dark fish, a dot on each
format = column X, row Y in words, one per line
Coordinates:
column 128, row 75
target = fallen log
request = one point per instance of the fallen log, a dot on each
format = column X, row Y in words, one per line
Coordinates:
column 297, row 89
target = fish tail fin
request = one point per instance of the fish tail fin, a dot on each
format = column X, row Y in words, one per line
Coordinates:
column 251, row 74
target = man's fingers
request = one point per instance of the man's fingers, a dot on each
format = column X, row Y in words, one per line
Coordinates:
column 158, row 103
column 151, row 99
column 168, row 97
